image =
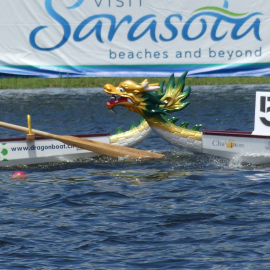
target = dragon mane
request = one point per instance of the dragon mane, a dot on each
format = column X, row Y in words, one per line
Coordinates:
column 167, row 100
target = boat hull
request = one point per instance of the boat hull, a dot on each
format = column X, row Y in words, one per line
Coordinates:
column 19, row 151
column 238, row 145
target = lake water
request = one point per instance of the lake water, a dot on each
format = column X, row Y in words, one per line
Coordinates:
column 186, row 211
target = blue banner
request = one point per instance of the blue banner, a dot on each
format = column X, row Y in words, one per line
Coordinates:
column 130, row 38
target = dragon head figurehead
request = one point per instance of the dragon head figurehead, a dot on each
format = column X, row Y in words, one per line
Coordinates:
column 149, row 100
column 131, row 95
column 154, row 102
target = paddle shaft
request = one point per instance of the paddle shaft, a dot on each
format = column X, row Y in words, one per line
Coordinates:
column 98, row 147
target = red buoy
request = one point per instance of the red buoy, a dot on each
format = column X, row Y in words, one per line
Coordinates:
column 18, row 175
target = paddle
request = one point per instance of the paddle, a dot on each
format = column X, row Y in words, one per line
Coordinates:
column 98, row 147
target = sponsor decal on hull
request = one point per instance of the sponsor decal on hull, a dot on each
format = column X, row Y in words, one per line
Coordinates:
column 228, row 144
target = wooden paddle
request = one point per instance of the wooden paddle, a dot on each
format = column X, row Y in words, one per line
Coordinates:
column 98, row 147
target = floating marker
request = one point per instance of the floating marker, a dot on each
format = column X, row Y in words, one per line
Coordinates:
column 18, row 175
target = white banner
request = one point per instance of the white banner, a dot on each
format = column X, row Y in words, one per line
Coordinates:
column 134, row 37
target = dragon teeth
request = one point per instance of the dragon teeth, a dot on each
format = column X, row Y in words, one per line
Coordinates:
column 112, row 111
column 129, row 100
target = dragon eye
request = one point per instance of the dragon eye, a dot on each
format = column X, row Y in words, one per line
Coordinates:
column 122, row 89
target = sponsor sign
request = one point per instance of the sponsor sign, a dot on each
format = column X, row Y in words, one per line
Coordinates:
column 49, row 38
column 16, row 150
column 228, row 144
column 262, row 114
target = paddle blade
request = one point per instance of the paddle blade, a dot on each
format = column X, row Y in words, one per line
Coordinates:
column 108, row 149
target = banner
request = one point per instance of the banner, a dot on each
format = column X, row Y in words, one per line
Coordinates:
column 129, row 38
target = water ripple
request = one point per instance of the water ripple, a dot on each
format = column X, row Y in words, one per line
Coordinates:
column 186, row 211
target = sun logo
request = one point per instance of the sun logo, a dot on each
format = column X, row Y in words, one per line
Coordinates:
column 230, row 143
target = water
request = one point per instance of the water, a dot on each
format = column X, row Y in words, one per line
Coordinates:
column 185, row 211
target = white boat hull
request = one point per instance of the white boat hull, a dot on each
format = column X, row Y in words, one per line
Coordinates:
column 18, row 151
column 242, row 146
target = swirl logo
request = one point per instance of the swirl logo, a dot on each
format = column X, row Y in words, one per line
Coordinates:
column 237, row 20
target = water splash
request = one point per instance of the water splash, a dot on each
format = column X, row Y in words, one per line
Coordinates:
column 226, row 4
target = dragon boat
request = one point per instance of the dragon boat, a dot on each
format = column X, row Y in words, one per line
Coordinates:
column 155, row 101
column 33, row 149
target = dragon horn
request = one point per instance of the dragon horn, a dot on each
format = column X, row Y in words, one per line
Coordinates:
column 152, row 87
column 149, row 87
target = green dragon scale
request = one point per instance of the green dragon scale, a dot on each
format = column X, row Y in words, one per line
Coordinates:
column 153, row 102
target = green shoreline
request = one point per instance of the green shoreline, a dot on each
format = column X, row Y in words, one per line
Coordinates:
column 35, row 83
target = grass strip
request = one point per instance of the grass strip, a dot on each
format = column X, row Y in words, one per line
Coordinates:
column 35, row 83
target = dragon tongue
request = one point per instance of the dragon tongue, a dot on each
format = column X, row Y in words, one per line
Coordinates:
column 124, row 99
column 114, row 100
column 111, row 101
